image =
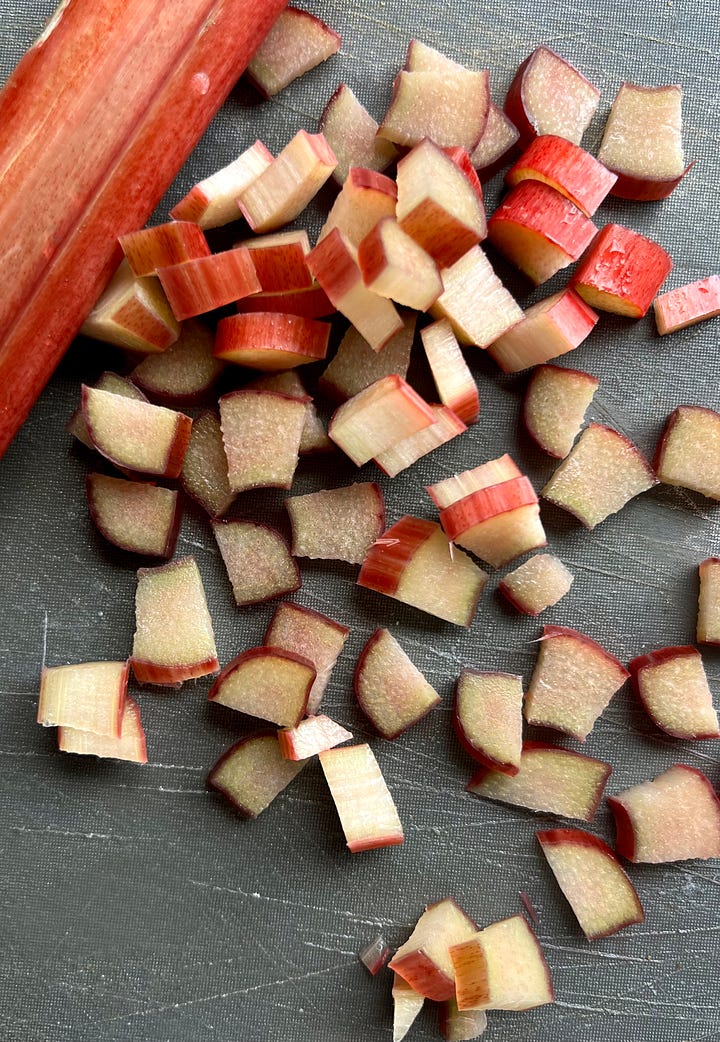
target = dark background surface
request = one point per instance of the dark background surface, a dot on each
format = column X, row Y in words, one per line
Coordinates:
column 134, row 906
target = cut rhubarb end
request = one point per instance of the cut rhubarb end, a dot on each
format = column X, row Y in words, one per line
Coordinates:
column 106, row 382
column 391, row 691
column 267, row 683
column 258, row 561
column 554, row 407
column 338, row 524
column 88, row 697
column 494, row 472
column 269, row 341
column 708, row 618
column 674, row 817
column 377, row 418
column 366, row 198
column 261, row 433
column 130, row 745
column 549, row 96
column 406, row 452
column 201, row 285
column 550, row 780
column 673, row 689
column 251, row 773
column 550, row 328
column 312, row 302
column 487, row 717
column 374, row 955
column 365, row 807
column 448, row 106
column 621, row 272
column 475, row 302
column 279, row 261
column 602, row 473
column 496, row 146
column 567, row 168
column 163, row 245
column 537, row 584
column 351, row 133
column 315, row 637
column 139, row 518
column 205, row 469
column 394, row 266
column 424, row 960
column 313, row 735
column 213, row 202
column 356, row 365
column 454, row 382
column 687, row 305
column 185, row 373
column 132, row 313
column 407, row 1004
column 297, row 43
column 687, row 455
column 497, row 523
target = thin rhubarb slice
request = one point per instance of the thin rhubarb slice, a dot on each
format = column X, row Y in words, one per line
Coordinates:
column 454, row 382
column 162, row 245
column 494, row 472
column 497, row 523
column 268, row 683
column 406, row 452
column 138, row 517
column 351, row 132
column 537, row 584
column 258, row 561
column 502, row 967
column 130, row 745
column 567, row 168
column 449, row 106
column 88, row 696
column 212, row 202
column 365, row 198
column 673, row 689
column 487, row 716
column 185, row 373
column 550, row 96
column 356, row 365
column 687, row 455
column 362, row 799
column 475, row 302
column 424, row 960
column 313, row 735
column 339, row 524
column 687, row 305
column 261, row 433
column 252, row 772
column 197, row 286
column 205, row 469
column 549, row 328
column 407, row 1004
column 311, row 302
column 621, row 272
column 390, row 689
column 554, row 407
column 133, row 313
column 377, row 418
column 297, row 43
column 708, row 616
column 269, row 341
column 316, row 637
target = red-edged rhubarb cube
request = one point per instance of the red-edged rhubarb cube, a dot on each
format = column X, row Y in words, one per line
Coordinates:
column 252, row 772
column 205, row 283
column 708, row 618
column 487, row 717
column 297, row 42
column 554, row 407
column 130, row 745
column 567, row 168
column 548, row 329
column 673, row 689
column 688, row 453
column 365, row 198
column 351, row 132
column 270, row 341
column 424, row 960
column 162, row 245
column 454, row 382
column 88, row 697
column 622, row 272
column 268, row 683
column 213, row 202
column 390, row 689
column 475, row 302
column 377, row 418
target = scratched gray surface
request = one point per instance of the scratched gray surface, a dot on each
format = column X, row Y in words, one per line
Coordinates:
column 134, row 907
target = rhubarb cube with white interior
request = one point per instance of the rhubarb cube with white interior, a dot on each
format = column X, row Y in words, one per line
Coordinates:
column 494, row 472
column 365, row 198
column 549, row 96
column 673, row 690
column 413, row 562
column 279, row 260
column 673, row 817
column 420, row 57
column 424, row 960
column 454, row 382
column 356, row 365
column 205, row 469
column 687, row 305
column 270, row 340
column 132, row 313
column 554, row 407
column 339, row 524
column 313, row 636
column 197, row 286
column 297, row 42
column 107, row 381
column 311, row 736
column 407, row 1004
column 351, row 133
column 390, row 689
column 602, row 473
column 282, row 191
column 549, row 328
column 496, row 146
column 377, row 418
column 572, row 683
column 130, row 745
column 487, row 717
column 257, row 559
column 642, row 142
column 134, row 515
column 406, row 452
column 267, row 683
column 567, row 168
column 212, row 202
column 475, row 302
column 688, row 453
column 148, row 249
column 87, row 696
column 708, row 616
column 261, row 434
column 185, row 373
column 536, row 584
column 362, row 799
column 621, row 272
column 252, row 772
column 550, row 780
column 394, row 266
column 448, row 106
column 174, row 639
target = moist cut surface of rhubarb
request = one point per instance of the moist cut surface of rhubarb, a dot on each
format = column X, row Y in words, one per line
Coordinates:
column 708, row 617
column 89, row 696
column 338, row 524
column 550, row 96
column 313, row 636
column 673, row 689
column 688, row 453
column 487, row 717
column 252, row 772
column 391, row 690
column 268, row 683
column 257, row 559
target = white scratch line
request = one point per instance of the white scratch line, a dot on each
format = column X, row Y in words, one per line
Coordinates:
column 599, row 955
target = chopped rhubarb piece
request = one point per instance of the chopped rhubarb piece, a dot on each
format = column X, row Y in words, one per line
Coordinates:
column 537, row 584
column 554, row 407
column 392, row 692
column 281, row 192
column 642, row 142
column 460, row 1025
column 436, row 204
column 339, row 524
column 106, row 382
column 497, row 144
column 454, row 382
column 673, row 817
column 132, row 313
column 567, row 168
column 550, row 780
column 394, row 266
column 205, row 470
column 621, row 272
column 602, row 473
column 268, row 683
column 708, row 617
column 362, row 799
column 673, row 689
column 688, row 453
column 422, row 58
column 366, row 197
column 213, row 202
column 314, row 436
column 412, row 562
column 141, row 518
column 313, row 735
column 549, row 96
column 311, row 302
column 134, row 434
column 494, row 472
column 162, row 245
column 377, row 418
column 407, row 1004
column 270, row 341
column 183, row 374
column 258, row 561
column 351, row 132
column 261, row 433
column 475, row 302
column 406, row 452
column 297, row 42
column 356, row 365
column 539, row 230
column 201, row 285
column 572, row 683
column 487, row 717
column 502, row 967
column 279, row 260
column 449, row 106
column 687, row 305
column 252, row 772
column 312, row 635
column 174, row 638
column 548, row 329
column 130, row 745
column 89, row 696
column 374, row 955
column 424, row 960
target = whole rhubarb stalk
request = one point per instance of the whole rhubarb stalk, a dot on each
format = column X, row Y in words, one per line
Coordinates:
column 97, row 119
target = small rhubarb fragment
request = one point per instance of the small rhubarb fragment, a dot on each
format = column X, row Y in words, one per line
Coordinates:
column 297, row 43
column 132, row 313
column 708, row 617
column 454, row 382
column 351, row 132
column 313, row 735
column 687, row 305
column 537, row 584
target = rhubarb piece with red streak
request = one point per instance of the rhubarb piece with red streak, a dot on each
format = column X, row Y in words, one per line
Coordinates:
column 413, row 562
column 356, row 365
column 688, row 453
column 365, row 198
column 708, row 617
column 454, row 382
column 497, row 144
column 602, row 473
column 475, row 302
column 185, row 373
column 554, row 407
column 174, row 639
column 266, row 682
column 673, row 690
column 130, row 745
column 687, row 305
column 212, row 203
column 539, row 230
column 132, row 313
column 642, row 142
column 258, row 561
column 195, row 287
column 339, row 524
column 567, row 168
column 88, row 696
column 621, row 272
column 311, row 302
column 285, row 188
column 138, row 517
column 449, row 106
column 252, row 772
column 297, row 43
column 550, row 780
column 394, row 266
column 572, row 683
column 270, row 341
column 424, row 960
column 407, row 1004
column 204, row 472
column 537, row 584
column 313, row 735
column 548, row 329
column 390, row 689
column 550, row 96
column 362, row 799
column 351, row 132
column 377, row 418
column 406, row 452
column 487, row 717
column 494, row 472
column 261, row 433
column 162, row 245
column 279, row 260
column 107, row 381
column 673, row 817
column 316, row 637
